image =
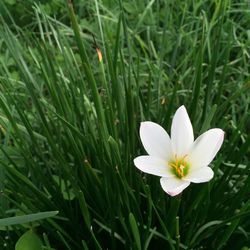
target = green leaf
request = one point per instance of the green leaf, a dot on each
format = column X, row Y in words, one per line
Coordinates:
column 10, row 2
column 26, row 218
column 135, row 230
column 29, row 241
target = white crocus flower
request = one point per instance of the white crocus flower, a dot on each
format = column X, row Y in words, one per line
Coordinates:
column 179, row 160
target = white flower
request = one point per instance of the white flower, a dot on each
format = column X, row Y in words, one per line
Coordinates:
column 179, row 160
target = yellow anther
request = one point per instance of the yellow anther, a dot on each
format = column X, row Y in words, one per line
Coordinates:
column 179, row 166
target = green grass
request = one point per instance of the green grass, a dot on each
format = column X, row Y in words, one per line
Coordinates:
column 69, row 124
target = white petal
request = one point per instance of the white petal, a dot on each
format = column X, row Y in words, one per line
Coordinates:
column 153, row 165
column 206, row 147
column 173, row 186
column 182, row 136
column 199, row 175
column 155, row 140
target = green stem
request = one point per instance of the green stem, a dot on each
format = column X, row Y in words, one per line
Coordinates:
column 178, row 237
column 173, row 219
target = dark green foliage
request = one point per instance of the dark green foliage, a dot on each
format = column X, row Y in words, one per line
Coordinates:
column 69, row 123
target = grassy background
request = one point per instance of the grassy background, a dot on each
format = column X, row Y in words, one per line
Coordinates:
column 69, row 124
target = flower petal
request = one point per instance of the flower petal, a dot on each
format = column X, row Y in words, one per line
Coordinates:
column 200, row 175
column 155, row 140
column 206, row 147
column 173, row 186
column 182, row 136
column 153, row 165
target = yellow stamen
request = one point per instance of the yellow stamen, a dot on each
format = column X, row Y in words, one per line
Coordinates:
column 180, row 166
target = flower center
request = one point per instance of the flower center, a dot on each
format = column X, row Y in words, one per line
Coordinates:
column 180, row 166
